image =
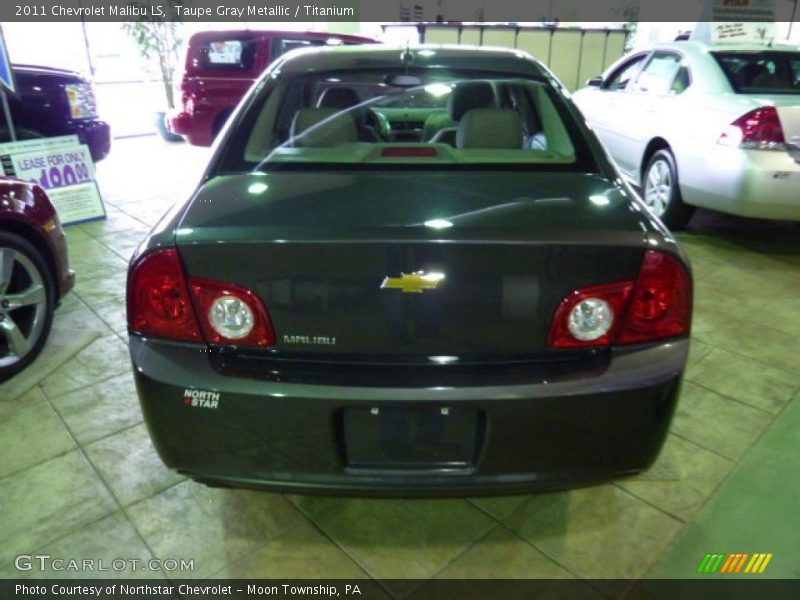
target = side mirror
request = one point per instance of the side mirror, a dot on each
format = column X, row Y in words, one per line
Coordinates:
column 596, row 81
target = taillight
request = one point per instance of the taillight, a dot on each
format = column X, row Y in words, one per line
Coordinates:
column 760, row 129
column 661, row 304
column 162, row 304
column 590, row 316
column 158, row 299
column 231, row 314
column 657, row 305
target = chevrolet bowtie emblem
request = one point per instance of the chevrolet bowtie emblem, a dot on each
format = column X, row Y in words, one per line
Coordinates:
column 413, row 283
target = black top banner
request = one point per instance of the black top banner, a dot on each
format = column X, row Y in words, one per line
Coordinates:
column 430, row 11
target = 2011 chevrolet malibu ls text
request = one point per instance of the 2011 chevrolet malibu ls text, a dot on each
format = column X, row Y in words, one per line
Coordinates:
column 408, row 272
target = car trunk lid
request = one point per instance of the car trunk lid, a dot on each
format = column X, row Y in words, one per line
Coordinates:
column 395, row 266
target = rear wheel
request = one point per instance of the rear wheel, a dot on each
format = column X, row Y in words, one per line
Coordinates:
column 27, row 302
column 661, row 193
column 163, row 129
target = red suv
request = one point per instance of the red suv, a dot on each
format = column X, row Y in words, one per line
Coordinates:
column 222, row 65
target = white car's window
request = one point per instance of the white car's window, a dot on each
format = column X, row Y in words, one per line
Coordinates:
column 369, row 118
column 682, row 81
column 658, row 74
column 767, row 72
column 620, row 78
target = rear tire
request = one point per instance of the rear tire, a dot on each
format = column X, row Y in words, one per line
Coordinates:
column 25, row 281
column 163, row 130
column 661, row 192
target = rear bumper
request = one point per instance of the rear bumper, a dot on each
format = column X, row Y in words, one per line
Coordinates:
column 196, row 130
column 281, row 436
column 95, row 134
column 750, row 183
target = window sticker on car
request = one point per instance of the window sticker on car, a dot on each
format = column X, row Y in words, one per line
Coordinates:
column 228, row 52
column 201, row 398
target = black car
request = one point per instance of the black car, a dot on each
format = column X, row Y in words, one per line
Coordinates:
column 53, row 102
column 409, row 272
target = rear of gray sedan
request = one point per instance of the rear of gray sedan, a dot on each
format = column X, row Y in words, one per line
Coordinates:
column 345, row 308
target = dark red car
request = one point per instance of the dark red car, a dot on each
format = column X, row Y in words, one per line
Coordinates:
column 34, row 272
column 222, row 65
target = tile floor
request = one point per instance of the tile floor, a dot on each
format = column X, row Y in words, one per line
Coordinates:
column 79, row 477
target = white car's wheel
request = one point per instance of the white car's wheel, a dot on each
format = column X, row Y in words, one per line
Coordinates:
column 660, row 191
column 27, row 302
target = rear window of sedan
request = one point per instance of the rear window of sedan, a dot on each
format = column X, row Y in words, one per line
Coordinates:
column 767, row 72
column 374, row 120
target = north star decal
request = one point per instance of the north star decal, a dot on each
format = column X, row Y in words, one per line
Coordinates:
column 201, row 398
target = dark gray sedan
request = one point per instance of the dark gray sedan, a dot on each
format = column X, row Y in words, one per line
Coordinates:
column 408, row 272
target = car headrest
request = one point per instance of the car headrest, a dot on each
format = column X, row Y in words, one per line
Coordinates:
column 750, row 72
column 466, row 96
column 768, row 80
column 338, row 97
column 490, row 128
column 331, row 127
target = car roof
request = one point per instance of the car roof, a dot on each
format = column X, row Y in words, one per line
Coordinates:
column 214, row 34
column 41, row 69
column 472, row 58
column 704, row 47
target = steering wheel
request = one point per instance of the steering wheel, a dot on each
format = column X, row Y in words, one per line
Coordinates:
column 379, row 123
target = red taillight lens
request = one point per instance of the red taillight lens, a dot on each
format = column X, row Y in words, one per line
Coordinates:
column 158, row 300
column 657, row 306
column 574, row 327
column 160, row 305
column 231, row 314
column 760, row 129
column 661, row 304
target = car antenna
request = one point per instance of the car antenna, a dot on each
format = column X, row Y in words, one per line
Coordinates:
column 407, row 57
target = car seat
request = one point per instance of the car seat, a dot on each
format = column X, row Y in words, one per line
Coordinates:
column 322, row 127
column 490, row 128
column 342, row 98
column 465, row 97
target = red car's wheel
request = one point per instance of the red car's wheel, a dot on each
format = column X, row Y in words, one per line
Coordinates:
column 27, row 302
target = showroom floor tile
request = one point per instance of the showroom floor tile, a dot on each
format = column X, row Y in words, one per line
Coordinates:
column 596, row 532
column 754, row 511
column 79, row 476
column 39, row 422
column 295, row 553
column 212, row 526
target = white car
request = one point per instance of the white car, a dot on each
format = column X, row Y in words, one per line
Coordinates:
column 695, row 124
